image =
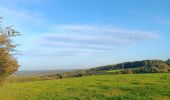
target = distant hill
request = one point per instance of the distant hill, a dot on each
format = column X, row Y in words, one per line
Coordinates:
column 145, row 66
column 135, row 67
column 40, row 72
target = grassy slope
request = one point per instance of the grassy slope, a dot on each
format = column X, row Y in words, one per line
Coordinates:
column 110, row 87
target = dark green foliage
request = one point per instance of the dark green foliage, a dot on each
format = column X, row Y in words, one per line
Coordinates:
column 145, row 66
column 80, row 73
column 168, row 62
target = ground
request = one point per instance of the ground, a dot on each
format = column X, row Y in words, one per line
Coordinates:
column 101, row 87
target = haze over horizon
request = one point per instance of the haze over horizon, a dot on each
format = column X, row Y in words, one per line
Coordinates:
column 75, row 34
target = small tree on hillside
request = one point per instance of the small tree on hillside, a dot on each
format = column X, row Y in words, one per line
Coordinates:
column 8, row 63
column 164, row 68
column 168, row 62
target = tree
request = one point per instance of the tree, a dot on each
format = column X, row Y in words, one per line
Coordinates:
column 168, row 62
column 8, row 61
column 129, row 71
column 164, row 68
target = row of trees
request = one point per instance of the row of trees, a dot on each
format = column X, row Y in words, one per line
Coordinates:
column 145, row 66
column 153, row 69
column 8, row 62
column 79, row 73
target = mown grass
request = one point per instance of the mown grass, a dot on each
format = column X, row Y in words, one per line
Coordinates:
column 101, row 87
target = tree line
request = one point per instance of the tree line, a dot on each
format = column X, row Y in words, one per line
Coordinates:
column 145, row 66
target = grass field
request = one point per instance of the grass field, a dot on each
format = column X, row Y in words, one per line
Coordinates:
column 103, row 87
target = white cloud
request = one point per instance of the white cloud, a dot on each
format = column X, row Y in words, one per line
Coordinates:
column 20, row 16
column 74, row 39
column 107, row 32
column 98, row 35
column 92, row 39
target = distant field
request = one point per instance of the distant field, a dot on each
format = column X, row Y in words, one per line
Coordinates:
column 101, row 87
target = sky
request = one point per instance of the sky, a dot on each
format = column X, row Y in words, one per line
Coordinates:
column 79, row 34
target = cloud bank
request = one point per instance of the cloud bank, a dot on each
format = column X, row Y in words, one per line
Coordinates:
column 92, row 39
column 73, row 39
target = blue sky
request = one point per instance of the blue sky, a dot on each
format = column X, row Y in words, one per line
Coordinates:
column 74, row 34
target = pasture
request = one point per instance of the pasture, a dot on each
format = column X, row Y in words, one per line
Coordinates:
column 100, row 87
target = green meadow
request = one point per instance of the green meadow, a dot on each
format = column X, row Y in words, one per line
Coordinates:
column 100, row 87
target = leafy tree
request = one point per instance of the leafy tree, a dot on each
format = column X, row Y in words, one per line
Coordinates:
column 164, row 68
column 168, row 62
column 8, row 62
